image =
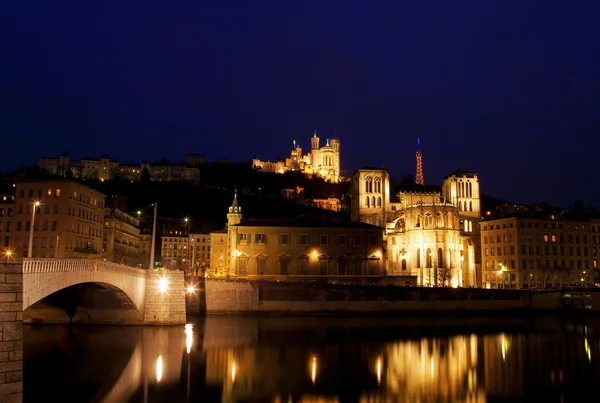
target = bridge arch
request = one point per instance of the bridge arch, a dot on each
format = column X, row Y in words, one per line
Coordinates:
column 43, row 278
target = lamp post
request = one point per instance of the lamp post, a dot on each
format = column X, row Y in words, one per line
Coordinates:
column 186, row 220
column 56, row 246
column 36, row 204
column 153, row 238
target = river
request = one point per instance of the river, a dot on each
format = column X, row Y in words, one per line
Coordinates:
column 316, row 359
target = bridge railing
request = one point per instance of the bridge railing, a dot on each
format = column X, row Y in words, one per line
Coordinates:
column 66, row 265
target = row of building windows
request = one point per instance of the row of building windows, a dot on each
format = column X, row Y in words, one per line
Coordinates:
column 548, row 238
column 531, row 250
column 369, row 182
column 465, row 189
column 39, row 193
column 303, row 265
column 6, row 211
column 537, row 264
column 575, row 227
column 305, row 239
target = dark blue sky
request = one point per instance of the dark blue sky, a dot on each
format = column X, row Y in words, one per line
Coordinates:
column 506, row 88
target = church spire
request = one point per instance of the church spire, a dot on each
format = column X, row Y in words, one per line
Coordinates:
column 315, row 132
column 234, row 205
column 235, row 211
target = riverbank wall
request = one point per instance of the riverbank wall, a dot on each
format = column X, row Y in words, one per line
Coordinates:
column 11, row 332
column 225, row 297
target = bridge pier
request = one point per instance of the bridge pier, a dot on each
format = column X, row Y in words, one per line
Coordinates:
column 165, row 307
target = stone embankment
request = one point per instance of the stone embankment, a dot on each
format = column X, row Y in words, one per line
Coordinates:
column 257, row 297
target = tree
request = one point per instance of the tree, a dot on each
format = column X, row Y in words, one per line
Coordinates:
column 445, row 273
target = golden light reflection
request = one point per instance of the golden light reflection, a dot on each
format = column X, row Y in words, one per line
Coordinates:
column 504, row 344
column 313, row 369
column 159, row 368
column 379, row 365
column 189, row 337
column 233, row 372
column 588, row 351
column 433, row 370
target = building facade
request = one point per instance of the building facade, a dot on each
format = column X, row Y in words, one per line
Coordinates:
column 105, row 168
column 533, row 252
column 429, row 234
column 121, row 237
column 190, row 252
column 321, row 161
column 7, row 204
column 303, row 247
column 68, row 223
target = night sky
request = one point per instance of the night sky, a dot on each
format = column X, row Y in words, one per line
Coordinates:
column 507, row 88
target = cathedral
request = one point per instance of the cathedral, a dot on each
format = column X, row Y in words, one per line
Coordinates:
column 321, row 161
column 431, row 234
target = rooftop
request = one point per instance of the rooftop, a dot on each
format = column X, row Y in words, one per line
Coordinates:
column 461, row 173
column 305, row 222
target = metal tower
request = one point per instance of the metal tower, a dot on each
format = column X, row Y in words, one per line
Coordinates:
column 419, row 172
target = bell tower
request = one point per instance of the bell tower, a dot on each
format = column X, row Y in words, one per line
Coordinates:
column 235, row 211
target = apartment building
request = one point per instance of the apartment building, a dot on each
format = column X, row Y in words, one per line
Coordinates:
column 185, row 252
column 67, row 223
column 7, row 202
column 105, row 168
column 121, row 237
column 533, row 252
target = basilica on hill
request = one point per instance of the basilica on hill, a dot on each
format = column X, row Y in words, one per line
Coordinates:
column 430, row 234
column 321, row 161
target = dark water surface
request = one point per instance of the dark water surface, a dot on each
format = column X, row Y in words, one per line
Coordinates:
column 278, row 359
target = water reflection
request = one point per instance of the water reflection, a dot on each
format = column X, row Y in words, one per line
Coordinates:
column 312, row 360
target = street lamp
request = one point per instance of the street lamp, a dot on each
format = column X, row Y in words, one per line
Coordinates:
column 152, row 246
column 36, row 204
column 153, row 238
column 56, row 246
column 186, row 220
column 8, row 254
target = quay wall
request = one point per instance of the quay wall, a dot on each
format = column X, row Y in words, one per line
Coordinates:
column 11, row 332
column 255, row 297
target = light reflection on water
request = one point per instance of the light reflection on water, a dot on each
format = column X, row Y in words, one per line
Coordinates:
column 227, row 359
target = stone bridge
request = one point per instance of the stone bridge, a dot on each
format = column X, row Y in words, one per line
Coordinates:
column 97, row 291
column 81, row 291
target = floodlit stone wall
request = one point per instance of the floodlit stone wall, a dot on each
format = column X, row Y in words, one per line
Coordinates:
column 11, row 333
column 165, row 298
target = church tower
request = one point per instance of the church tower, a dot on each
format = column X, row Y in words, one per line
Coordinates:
column 235, row 212
column 419, row 171
column 314, row 143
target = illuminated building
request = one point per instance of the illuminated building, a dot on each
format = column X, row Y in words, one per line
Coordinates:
column 105, row 168
column 69, row 220
column 530, row 252
column 321, row 161
column 304, row 246
column 121, row 237
column 185, row 251
column 429, row 234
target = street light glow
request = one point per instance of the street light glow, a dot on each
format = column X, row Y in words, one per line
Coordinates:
column 191, row 289
column 163, row 284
